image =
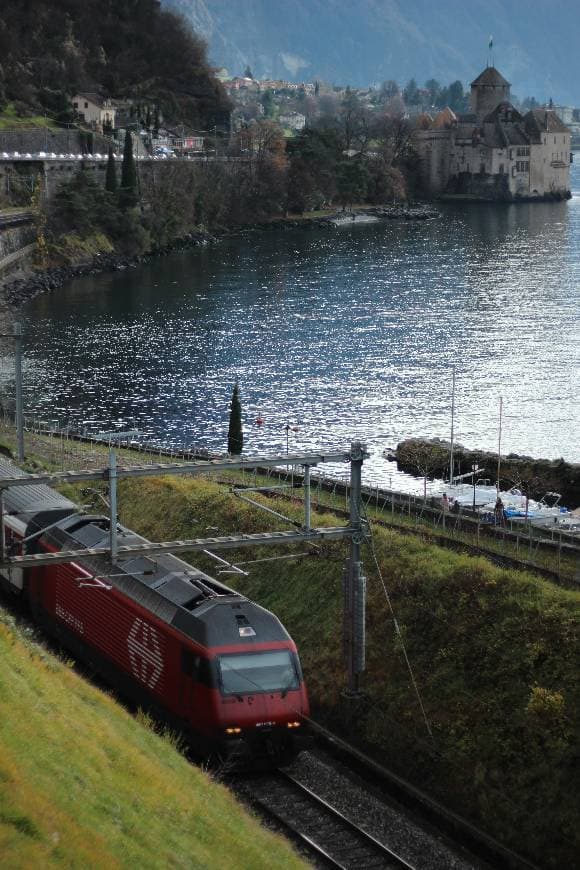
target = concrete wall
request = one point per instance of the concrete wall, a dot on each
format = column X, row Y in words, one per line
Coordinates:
column 23, row 175
column 43, row 139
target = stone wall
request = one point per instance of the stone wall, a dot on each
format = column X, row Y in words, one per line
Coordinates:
column 12, row 240
column 34, row 140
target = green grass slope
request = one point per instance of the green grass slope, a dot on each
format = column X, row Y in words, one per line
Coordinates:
column 84, row 784
column 494, row 654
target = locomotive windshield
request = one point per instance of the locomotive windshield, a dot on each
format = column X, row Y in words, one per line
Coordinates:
column 258, row 672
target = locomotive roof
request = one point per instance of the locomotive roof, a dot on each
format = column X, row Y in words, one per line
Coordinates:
column 177, row 593
column 26, row 502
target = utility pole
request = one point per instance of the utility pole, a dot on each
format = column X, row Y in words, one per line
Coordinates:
column 113, row 504
column 354, row 581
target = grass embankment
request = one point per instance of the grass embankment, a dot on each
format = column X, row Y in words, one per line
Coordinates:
column 495, row 655
column 85, row 784
column 11, row 120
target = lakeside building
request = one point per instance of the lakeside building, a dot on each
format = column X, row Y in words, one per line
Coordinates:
column 495, row 152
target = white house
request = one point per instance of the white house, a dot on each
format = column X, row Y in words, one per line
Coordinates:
column 95, row 110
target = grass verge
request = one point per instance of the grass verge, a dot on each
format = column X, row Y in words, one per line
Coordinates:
column 84, row 784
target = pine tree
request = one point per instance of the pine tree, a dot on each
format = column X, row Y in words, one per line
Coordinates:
column 111, row 176
column 235, row 433
column 128, row 191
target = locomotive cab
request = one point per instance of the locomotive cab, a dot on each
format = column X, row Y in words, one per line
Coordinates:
column 263, row 698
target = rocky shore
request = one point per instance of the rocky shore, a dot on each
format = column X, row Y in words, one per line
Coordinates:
column 15, row 290
column 21, row 287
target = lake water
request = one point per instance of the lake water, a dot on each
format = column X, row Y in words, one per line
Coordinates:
column 344, row 334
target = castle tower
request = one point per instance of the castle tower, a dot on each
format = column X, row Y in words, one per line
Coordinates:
column 488, row 90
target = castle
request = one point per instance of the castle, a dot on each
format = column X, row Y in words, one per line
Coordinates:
column 494, row 152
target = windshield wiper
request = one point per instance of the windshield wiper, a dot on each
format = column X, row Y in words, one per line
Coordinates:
column 288, row 686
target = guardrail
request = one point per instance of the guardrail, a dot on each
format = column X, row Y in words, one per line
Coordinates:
column 45, row 156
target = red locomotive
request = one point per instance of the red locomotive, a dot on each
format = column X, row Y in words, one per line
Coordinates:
column 196, row 654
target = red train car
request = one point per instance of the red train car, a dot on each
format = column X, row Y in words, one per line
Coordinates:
column 203, row 658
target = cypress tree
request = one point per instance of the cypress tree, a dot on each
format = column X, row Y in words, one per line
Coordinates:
column 111, row 177
column 128, row 190
column 235, row 434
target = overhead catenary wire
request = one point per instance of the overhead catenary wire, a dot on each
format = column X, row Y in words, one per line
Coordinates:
column 397, row 626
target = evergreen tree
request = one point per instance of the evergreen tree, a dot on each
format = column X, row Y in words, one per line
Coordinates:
column 411, row 93
column 128, row 191
column 248, row 72
column 111, row 177
column 267, row 101
column 235, row 433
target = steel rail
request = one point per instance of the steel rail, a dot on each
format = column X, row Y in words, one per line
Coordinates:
column 454, row 826
column 326, row 839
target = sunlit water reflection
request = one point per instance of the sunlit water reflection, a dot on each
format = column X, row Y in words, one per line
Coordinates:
column 348, row 334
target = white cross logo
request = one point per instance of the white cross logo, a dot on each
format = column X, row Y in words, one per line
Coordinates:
column 145, row 653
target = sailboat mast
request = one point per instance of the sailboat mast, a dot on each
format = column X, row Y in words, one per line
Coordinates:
column 499, row 442
column 452, row 423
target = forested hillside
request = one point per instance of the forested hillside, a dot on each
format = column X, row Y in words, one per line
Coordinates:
column 51, row 49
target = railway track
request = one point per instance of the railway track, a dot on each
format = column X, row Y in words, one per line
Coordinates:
column 331, row 838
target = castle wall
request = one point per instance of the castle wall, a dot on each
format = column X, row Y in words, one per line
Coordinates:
column 550, row 165
column 432, row 147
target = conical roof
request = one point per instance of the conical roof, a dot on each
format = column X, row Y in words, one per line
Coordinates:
column 444, row 119
column 490, row 76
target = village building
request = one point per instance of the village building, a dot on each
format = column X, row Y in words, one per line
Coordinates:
column 295, row 121
column 494, row 152
column 95, row 110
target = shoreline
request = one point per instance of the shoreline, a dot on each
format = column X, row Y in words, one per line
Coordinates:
column 22, row 286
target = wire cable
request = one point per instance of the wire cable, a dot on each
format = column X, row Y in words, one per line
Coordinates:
column 396, row 624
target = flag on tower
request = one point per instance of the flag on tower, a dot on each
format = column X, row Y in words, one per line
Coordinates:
column 490, row 42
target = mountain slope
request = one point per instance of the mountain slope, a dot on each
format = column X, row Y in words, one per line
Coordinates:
column 373, row 40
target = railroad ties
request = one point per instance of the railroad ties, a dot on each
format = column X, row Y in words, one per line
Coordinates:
column 327, row 834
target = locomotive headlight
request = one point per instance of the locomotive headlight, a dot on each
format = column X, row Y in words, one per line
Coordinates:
column 292, row 724
column 233, row 730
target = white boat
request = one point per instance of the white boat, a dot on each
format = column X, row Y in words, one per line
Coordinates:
column 517, row 506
